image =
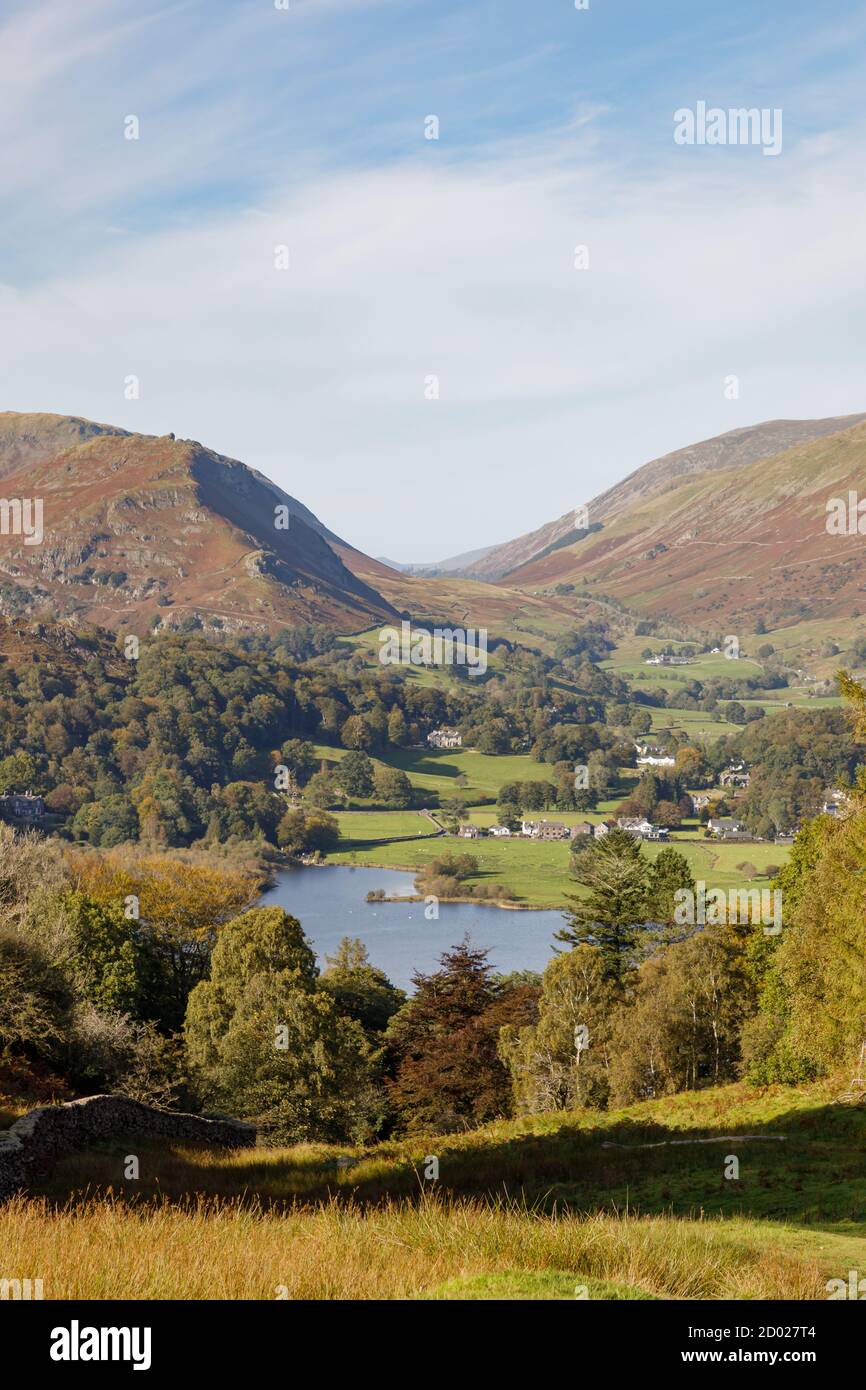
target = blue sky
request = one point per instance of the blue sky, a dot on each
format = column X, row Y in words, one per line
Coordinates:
column 411, row 257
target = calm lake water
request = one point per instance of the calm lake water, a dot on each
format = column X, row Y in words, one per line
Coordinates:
column 330, row 904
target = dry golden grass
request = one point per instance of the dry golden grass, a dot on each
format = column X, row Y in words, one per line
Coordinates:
column 210, row 1251
column 524, row 1208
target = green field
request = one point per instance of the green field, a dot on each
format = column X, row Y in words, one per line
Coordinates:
column 694, row 722
column 797, row 698
column 715, row 863
column 698, row 725
column 538, row 872
column 534, row 873
column 382, row 825
column 455, row 772
column 700, row 668
column 441, row 769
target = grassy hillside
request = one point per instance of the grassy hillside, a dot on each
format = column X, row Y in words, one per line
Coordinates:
column 735, row 449
column 802, row 646
column 521, row 617
column 454, row 771
column 633, row 1203
column 213, row 550
column 728, row 546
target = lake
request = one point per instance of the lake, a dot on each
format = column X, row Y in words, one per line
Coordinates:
column 330, row 904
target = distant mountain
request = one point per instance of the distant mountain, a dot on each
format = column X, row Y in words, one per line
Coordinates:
column 736, row 449
column 728, row 538
column 139, row 527
column 143, row 531
column 457, row 564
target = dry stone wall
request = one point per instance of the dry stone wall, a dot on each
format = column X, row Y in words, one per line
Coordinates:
column 48, row 1133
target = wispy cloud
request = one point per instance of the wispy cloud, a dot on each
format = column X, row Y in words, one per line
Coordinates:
column 409, row 258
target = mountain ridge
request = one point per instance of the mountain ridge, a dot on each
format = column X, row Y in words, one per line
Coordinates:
column 735, row 448
column 147, row 532
column 171, row 528
column 739, row 544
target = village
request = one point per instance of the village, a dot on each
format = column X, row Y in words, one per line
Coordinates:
column 733, row 784
column 26, row 809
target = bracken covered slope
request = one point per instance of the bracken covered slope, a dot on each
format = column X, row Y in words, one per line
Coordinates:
column 138, row 526
column 735, row 544
column 738, row 448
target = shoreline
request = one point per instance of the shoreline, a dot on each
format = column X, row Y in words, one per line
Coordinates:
column 508, row 904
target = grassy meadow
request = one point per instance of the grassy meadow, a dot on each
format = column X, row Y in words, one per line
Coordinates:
column 539, row 871
column 364, row 826
column 626, row 1204
column 454, row 771
column 799, row 646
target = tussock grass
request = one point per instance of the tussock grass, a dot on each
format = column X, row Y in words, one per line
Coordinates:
column 212, row 1250
column 632, row 1159
column 524, row 1208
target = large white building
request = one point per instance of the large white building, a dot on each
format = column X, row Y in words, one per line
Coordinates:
column 642, row 828
column 651, row 755
column 445, row 738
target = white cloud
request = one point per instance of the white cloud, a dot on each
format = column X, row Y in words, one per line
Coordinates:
column 554, row 382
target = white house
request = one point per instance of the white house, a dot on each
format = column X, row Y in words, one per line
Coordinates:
column 445, row 738
column 642, row 828
column 727, row 828
column 499, row 830
column 835, row 803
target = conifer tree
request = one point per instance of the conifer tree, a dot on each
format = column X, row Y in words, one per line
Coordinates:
column 615, row 873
